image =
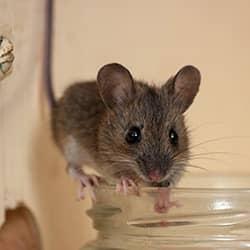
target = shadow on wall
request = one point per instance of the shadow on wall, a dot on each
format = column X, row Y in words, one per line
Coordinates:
column 63, row 219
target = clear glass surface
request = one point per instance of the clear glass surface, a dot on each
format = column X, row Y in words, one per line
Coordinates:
column 206, row 218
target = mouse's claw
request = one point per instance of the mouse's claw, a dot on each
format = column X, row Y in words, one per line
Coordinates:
column 81, row 193
column 125, row 185
column 89, row 182
column 86, row 181
column 163, row 203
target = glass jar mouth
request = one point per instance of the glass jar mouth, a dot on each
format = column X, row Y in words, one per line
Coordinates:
column 200, row 183
column 179, row 190
column 199, row 217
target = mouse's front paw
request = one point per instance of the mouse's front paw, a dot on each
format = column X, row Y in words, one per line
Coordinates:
column 127, row 185
column 163, row 202
column 90, row 182
column 86, row 181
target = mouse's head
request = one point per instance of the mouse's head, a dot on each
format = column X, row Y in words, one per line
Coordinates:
column 143, row 133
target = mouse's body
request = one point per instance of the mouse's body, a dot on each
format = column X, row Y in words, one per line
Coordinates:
column 122, row 128
column 75, row 120
column 128, row 131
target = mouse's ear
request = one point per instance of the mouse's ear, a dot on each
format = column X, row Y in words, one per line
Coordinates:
column 185, row 86
column 115, row 84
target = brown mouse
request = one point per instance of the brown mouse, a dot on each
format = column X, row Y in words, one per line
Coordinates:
column 128, row 131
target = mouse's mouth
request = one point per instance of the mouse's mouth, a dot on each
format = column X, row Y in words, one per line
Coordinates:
column 142, row 177
column 160, row 184
column 155, row 181
column 156, row 177
column 156, row 173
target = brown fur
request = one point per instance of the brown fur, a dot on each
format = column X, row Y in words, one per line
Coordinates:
column 98, row 115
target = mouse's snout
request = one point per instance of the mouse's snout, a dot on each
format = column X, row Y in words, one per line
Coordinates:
column 154, row 167
column 155, row 175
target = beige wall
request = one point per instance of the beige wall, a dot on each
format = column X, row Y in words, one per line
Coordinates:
column 153, row 39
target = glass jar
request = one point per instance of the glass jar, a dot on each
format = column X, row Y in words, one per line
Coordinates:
column 206, row 218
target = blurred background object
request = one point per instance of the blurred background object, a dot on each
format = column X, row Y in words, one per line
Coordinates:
column 19, row 232
column 6, row 56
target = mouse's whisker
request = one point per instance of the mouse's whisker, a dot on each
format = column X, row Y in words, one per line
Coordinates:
column 123, row 160
column 179, row 168
column 122, row 172
column 126, row 162
column 218, row 139
column 219, row 153
column 186, row 165
column 114, row 166
column 202, row 125
column 210, row 159
column 116, row 171
column 175, row 173
column 196, row 166
column 120, row 166
column 179, row 157
column 182, row 152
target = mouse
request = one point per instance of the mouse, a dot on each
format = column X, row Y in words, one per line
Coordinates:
column 125, row 129
column 130, row 132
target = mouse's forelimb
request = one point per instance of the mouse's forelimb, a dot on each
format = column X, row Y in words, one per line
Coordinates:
column 86, row 181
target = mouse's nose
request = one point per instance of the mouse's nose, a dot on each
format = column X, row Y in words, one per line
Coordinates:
column 154, row 175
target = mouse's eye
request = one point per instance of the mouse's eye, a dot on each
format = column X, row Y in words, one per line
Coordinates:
column 133, row 135
column 173, row 137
